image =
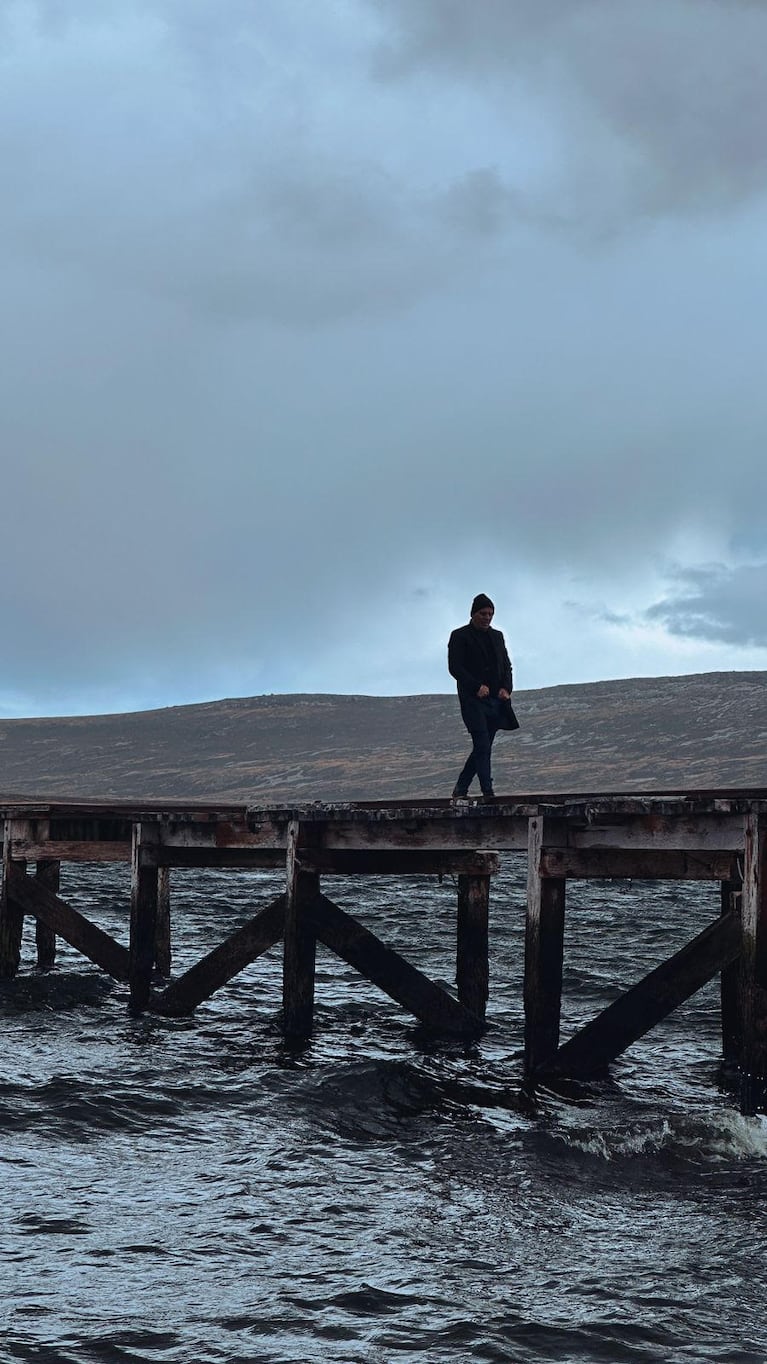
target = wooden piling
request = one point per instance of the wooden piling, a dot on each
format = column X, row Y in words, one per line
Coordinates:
column 300, row 943
column 11, row 914
column 544, row 948
column 143, row 915
column 472, row 973
column 162, row 939
column 729, row 989
column 753, row 965
column 48, row 874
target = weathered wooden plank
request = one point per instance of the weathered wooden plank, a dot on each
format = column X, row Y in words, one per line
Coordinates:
column 300, row 946
column 49, row 875
column 502, row 834
column 64, row 850
column 711, row 832
column 143, row 913
column 225, row 961
column 753, row 970
column 11, row 913
column 591, row 1050
column 637, row 863
column 226, row 834
column 385, row 968
column 544, row 947
column 31, row 897
column 472, row 972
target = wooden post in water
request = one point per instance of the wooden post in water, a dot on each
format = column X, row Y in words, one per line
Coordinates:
column 162, row 938
column 753, row 973
column 544, row 947
column 472, row 969
column 48, row 874
column 300, row 945
column 11, row 916
column 732, row 1041
column 143, row 913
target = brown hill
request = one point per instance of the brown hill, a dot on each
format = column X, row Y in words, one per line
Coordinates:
column 704, row 730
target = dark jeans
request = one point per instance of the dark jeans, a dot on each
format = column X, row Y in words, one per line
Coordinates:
column 478, row 761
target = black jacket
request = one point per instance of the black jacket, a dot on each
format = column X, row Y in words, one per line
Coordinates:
column 466, row 663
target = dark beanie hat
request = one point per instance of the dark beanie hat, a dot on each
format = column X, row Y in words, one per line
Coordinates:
column 480, row 602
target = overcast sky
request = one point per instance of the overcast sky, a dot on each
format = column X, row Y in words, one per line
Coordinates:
column 320, row 316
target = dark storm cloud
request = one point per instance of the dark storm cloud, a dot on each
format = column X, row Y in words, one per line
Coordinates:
column 717, row 603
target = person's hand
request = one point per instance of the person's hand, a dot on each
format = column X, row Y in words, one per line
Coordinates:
column 504, row 694
column 483, row 692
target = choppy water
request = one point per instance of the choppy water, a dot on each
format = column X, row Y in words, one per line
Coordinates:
column 195, row 1191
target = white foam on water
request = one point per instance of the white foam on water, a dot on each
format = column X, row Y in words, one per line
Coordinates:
column 727, row 1135
column 719, row 1135
column 609, row 1144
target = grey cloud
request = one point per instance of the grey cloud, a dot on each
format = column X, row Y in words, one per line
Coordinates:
column 661, row 104
column 471, row 39
column 480, row 204
column 155, row 147
column 717, row 603
column 287, row 355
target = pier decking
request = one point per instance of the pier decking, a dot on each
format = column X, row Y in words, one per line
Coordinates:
column 704, row 835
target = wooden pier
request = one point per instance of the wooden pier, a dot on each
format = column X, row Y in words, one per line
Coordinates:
column 716, row 836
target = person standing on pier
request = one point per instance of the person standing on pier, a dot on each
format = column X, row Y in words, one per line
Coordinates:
column 477, row 659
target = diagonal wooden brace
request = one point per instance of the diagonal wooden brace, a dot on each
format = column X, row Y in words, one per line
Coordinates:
column 643, row 1006
column 385, row 968
column 32, row 897
column 225, row 961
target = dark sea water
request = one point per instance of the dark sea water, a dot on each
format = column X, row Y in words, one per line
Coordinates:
column 197, row 1191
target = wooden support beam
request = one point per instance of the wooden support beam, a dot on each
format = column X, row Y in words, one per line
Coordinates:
column 544, row 947
column 31, row 897
column 300, row 947
column 11, row 913
column 143, row 913
column 591, row 1050
column 225, row 961
column 637, row 863
column 385, row 968
column 220, row 859
column 753, row 973
column 338, row 861
column 472, row 962
column 49, row 875
column 399, row 862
